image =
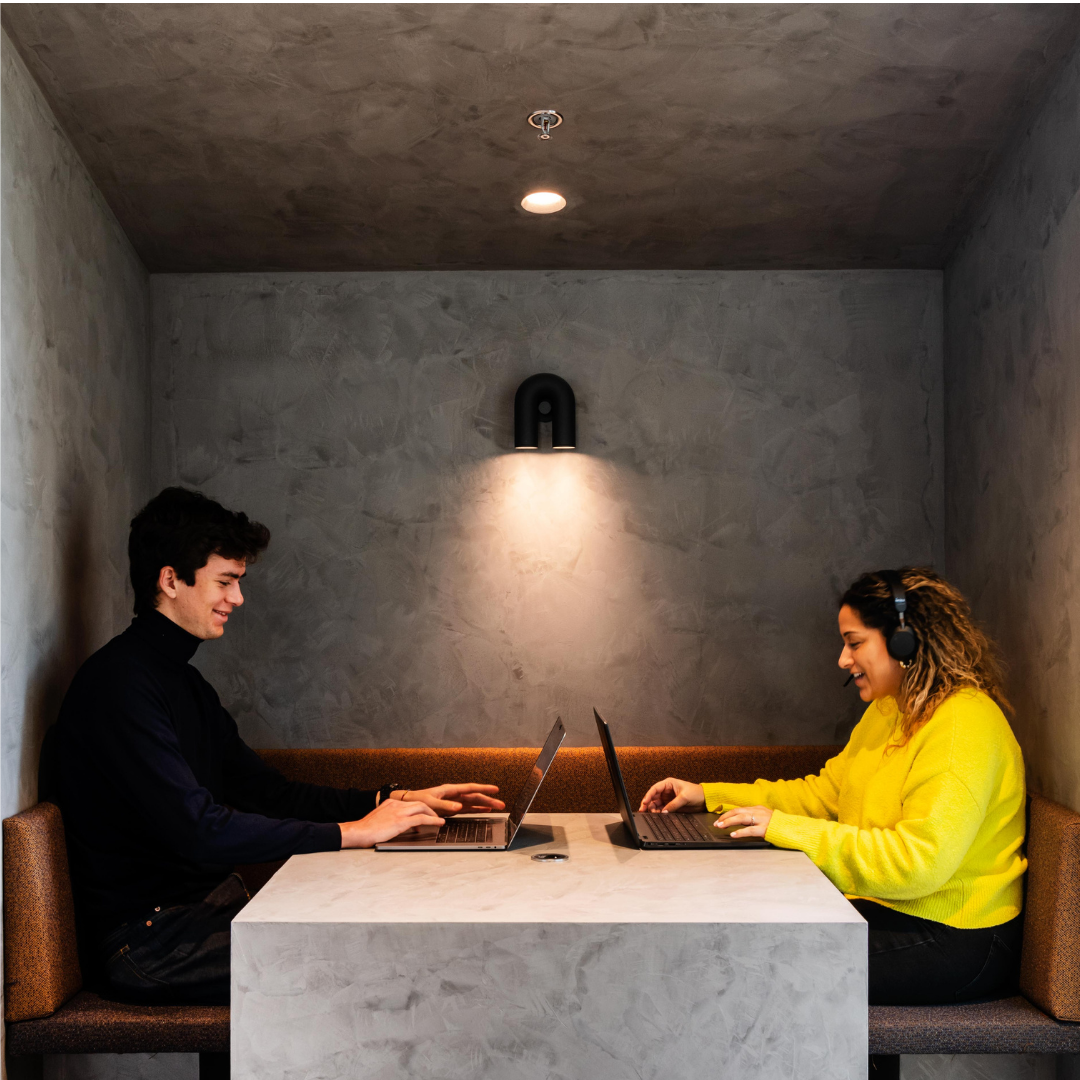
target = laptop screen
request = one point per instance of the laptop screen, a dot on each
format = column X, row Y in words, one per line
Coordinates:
column 539, row 771
column 616, row 773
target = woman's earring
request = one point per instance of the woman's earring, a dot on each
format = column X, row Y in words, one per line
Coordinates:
column 905, row 664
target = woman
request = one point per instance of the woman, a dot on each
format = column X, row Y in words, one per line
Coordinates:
column 919, row 820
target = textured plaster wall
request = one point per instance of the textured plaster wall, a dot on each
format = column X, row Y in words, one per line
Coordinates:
column 1013, row 431
column 748, row 442
column 75, row 409
column 75, row 421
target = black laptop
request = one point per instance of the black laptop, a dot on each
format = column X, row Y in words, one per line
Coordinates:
column 667, row 830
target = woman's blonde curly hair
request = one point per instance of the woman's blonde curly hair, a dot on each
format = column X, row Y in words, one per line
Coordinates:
column 952, row 652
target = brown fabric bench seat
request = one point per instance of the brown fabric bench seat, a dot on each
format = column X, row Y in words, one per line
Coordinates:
column 49, row 1012
column 87, row 1024
column 1011, row 1026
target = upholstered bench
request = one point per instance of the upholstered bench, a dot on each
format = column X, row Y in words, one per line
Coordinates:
column 48, row 1011
column 1046, row 1018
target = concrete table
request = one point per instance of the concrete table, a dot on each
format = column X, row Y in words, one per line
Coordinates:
column 616, row 964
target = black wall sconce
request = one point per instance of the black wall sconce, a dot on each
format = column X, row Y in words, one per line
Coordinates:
column 540, row 399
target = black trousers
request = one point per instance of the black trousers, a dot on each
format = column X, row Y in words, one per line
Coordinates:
column 915, row 961
column 176, row 955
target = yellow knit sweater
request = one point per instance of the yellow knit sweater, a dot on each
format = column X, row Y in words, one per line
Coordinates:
column 933, row 828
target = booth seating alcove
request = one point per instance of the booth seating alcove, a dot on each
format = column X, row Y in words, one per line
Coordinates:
column 48, row 1010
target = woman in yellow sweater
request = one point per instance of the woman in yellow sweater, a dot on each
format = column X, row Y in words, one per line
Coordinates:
column 919, row 820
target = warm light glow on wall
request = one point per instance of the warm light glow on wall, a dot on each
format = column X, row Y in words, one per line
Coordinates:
column 554, row 580
column 547, row 510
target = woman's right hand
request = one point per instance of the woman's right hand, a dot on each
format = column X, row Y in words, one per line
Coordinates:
column 672, row 796
column 389, row 819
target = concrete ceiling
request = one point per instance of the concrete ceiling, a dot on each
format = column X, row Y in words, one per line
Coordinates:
column 370, row 137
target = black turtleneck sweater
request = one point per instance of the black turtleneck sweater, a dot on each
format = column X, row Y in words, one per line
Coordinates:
column 160, row 795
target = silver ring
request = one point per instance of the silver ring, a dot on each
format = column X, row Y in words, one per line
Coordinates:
column 753, row 820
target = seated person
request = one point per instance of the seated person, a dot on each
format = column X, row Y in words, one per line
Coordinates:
column 919, row 820
column 161, row 797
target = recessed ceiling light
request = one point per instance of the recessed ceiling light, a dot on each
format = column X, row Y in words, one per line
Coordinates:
column 543, row 202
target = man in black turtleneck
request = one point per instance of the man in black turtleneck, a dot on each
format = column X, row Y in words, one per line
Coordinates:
column 161, row 797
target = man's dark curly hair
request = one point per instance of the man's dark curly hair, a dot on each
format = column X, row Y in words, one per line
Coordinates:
column 182, row 529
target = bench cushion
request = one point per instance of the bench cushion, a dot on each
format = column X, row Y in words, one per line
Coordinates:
column 1010, row 1026
column 41, row 958
column 577, row 783
column 1050, row 968
column 89, row 1025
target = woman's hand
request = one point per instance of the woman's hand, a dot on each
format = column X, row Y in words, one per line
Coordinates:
column 450, row 799
column 390, row 818
column 755, row 818
column 671, row 796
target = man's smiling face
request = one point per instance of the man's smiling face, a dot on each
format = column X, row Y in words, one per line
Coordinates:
column 204, row 608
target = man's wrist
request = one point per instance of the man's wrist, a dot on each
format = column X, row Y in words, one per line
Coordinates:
column 385, row 792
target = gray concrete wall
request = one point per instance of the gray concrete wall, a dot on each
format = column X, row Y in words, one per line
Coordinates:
column 75, row 397
column 748, row 443
column 74, row 415
column 1013, row 431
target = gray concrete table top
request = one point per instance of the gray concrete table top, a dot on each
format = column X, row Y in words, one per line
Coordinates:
column 604, row 880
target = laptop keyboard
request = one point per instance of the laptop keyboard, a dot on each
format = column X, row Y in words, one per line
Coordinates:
column 676, row 827
column 464, row 831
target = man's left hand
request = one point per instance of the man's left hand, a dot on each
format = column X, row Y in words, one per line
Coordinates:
column 755, row 818
column 449, row 799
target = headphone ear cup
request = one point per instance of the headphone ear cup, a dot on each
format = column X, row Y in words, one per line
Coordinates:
column 902, row 643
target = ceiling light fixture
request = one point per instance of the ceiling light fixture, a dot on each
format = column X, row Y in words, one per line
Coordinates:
column 543, row 202
column 545, row 120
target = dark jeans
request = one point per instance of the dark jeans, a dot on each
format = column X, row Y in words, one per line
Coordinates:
column 176, row 955
column 916, row 961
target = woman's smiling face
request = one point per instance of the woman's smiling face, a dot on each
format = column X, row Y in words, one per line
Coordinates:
column 865, row 655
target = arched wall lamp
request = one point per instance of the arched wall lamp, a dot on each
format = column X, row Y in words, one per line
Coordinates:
column 532, row 395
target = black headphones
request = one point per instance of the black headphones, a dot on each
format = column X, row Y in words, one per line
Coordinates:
column 902, row 642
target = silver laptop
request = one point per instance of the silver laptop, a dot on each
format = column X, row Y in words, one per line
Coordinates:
column 472, row 833
column 668, row 830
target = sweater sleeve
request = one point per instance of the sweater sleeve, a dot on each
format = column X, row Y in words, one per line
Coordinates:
column 138, row 740
column 940, row 820
column 813, row 796
column 252, row 785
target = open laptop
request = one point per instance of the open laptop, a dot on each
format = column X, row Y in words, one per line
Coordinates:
column 668, row 830
column 472, row 833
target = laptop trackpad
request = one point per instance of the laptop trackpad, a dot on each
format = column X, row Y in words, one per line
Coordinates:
column 418, row 834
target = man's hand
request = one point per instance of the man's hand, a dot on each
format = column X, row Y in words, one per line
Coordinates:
column 755, row 818
column 450, row 799
column 672, row 796
column 390, row 818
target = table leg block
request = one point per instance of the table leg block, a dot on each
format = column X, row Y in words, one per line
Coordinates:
column 679, row 1001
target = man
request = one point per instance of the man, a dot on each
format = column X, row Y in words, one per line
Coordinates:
column 160, row 795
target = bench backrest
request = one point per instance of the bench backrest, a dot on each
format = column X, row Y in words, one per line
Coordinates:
column 1050, row 966
column 41, row 958
column 41, row 965
column 578, row 782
